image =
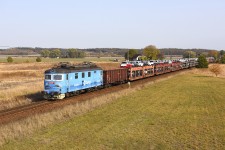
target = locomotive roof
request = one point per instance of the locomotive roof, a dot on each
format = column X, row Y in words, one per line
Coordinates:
column 65, row 67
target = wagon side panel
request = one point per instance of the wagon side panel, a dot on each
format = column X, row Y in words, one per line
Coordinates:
column 115, row 76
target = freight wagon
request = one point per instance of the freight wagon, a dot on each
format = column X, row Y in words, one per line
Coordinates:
column 136, row 73
column 116, row 76
column 176, row 65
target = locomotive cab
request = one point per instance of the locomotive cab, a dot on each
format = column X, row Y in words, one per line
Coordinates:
column 55, row 85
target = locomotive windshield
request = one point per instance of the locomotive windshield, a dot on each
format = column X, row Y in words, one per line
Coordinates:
column 47, row 77
column 53, row 77
column 57, row 77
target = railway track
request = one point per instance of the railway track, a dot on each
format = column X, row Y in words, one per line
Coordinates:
column 21, row 112
column 16, row 113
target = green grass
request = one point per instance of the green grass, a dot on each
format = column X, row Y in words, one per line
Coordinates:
column 33, row 59
column 185, row 112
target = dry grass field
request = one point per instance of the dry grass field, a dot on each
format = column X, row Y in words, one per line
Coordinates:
column 21, row 83
column 182, row 112
column 208, row 73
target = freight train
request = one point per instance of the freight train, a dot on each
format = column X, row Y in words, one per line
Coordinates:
column 65, row 79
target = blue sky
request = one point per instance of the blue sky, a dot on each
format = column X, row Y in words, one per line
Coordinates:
column 113, row 23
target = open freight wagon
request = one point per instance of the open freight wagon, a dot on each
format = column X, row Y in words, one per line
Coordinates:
column 116, row 76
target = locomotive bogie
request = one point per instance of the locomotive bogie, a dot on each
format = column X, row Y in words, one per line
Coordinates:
column 54, row 95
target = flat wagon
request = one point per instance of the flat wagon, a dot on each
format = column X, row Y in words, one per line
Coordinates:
column 148, row 71
column 176, row 66
column 167, row 67
column 159, row 68
column 135, row 73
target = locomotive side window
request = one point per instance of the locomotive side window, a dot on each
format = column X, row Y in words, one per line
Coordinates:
column 94, row 71
column 57, row 77
column 89, row 74
column 47, row 77
column 76, row 75
column 83, row 75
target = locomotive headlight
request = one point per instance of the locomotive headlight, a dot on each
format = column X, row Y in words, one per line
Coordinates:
column 47, row 87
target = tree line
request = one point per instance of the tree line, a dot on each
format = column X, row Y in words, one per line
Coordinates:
column 219, row 56
column 95, row 52
column 152, row 53
column 57, row 53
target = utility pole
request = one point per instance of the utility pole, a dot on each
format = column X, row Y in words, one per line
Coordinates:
column 128, row 55
column 189, row 59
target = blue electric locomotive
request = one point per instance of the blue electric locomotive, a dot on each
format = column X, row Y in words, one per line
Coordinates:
column 66, row 80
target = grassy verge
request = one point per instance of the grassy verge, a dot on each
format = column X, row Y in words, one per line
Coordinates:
column 185, row 112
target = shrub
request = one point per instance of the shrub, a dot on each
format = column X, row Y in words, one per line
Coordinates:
column 9, row 59
column 216, row 69
column 38, row 59
column 223, row 59
column 202, row 62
